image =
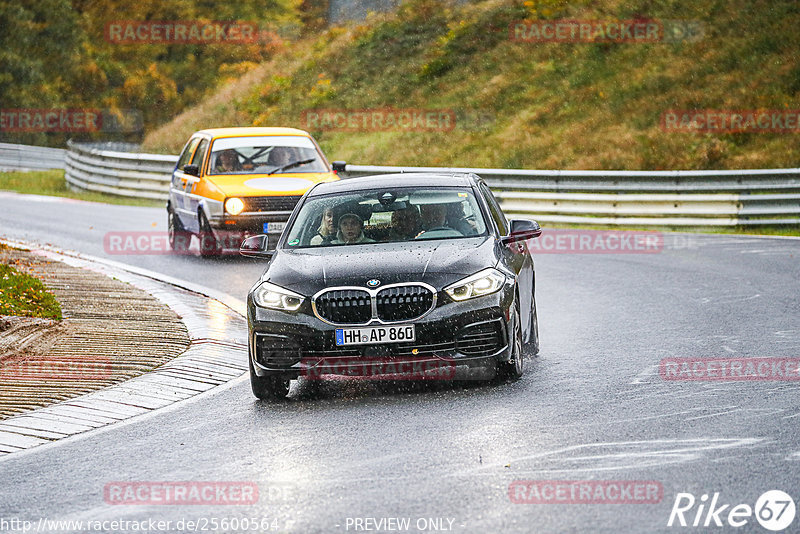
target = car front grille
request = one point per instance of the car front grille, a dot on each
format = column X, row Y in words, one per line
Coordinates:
column 345, row 306
column 481, row 339
column 354, row 306
column 403, row 303
column 256, row 204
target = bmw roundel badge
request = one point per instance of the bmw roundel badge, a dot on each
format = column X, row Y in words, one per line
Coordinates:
column 374, row 282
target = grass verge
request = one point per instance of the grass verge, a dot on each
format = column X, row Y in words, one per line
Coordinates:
column 52, row 183
column 26, row 296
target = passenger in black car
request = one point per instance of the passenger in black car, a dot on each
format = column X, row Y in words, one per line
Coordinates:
column 405, row 224
column 326, row 232
column 351, row 230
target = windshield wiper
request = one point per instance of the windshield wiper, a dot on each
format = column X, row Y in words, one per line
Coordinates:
column 291, row 165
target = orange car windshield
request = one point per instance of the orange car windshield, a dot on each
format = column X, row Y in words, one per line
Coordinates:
column 265, row 155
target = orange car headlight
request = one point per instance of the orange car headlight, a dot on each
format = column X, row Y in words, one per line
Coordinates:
column 234, row 206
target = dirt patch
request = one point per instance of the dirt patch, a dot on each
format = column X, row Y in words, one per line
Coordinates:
column 26, row 337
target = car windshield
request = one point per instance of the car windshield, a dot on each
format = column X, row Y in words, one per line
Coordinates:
column 386, row 216
column 265, row 155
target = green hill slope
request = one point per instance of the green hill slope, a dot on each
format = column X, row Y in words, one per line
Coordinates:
column 524, row 104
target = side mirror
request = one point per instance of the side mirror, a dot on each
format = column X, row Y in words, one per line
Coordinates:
column 522, row 230
column 339, row 166
column 192, row 170
column 255, row 247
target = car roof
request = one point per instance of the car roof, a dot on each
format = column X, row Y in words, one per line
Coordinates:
column 252, row 130
column 407, row 179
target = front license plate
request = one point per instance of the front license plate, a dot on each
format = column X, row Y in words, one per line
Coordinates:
column 274, row 227
column 371, row 335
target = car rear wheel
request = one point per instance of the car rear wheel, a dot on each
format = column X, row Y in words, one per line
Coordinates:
column 209, row 245
column 268, row 387
column 514, row 367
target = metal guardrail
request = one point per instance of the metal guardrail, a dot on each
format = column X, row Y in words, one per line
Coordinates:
column 637, row 198
column 633, row 198
column 26, row 157
column 118, row 173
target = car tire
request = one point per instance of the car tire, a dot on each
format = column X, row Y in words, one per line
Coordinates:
column 176, row 233
column 268, row 387
column 532, row 346
column 515, row 366
column 209, row 244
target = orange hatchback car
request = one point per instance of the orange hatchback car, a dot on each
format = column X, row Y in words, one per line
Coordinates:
column 233, row 182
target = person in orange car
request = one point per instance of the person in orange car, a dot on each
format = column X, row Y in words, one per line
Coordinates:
column 227, row 161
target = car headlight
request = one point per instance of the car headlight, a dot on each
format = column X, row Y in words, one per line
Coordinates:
column 277, row 298
column 482, row 283
column 234, row 206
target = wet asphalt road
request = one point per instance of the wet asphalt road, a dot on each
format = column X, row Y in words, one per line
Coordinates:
column 591, row 406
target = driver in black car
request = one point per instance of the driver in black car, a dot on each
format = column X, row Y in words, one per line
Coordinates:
column 457, row 220
column 434, row 222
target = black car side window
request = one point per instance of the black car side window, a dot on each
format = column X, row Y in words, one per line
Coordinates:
column 494, row 209
column 187, row 153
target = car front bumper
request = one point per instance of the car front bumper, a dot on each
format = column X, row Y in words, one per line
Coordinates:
column 452, row 341
column 231, row 230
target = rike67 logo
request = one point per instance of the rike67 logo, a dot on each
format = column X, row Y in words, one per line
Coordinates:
column 774, row 510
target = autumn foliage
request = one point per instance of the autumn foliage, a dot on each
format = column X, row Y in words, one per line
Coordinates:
column 54, row 54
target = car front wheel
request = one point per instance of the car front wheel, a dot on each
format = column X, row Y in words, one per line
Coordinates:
column 514, row 367
column 268, row 387
column 175, row 232
column 209, row 245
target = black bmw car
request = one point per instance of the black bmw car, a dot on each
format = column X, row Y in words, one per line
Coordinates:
column 406, row 275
